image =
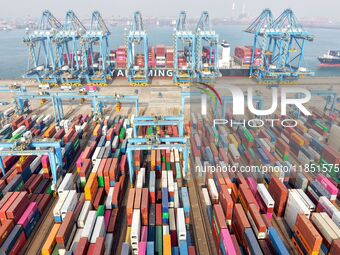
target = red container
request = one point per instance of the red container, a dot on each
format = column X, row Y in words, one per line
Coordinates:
column 158, row 215
column 240, row 223
column 113, row 220
column 82, row 246
column 130, row 206
column 279, row 193
column 226, row 203
column 145, row 206
column 18, row 207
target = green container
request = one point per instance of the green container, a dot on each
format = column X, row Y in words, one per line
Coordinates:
column 101, row 181
column 49, row 190
column 122, row 134
column 248, row 135
column 178, row 171
column 322, row 126
column 149, row 131
column 284, row 157
column 18, row 188
column 101, row 210
column 252, row 153
column 159, row 240
column 117, row 154
column 165, row 215
column 168, row 166
column 55, row 251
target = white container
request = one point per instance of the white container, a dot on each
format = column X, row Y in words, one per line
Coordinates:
column 135, row 230
column 266, row 197
column 69, row 204
column 212, row 189
column 294, row 206
column 58, row 206
column 330, row 209
column 96, row 166
column 75, row 240
column 181, row 230
column 66, row 184
column 172, row 221
column 326, row 226
column 108, row 243
column 108, row 202
column 176, row 196
column 164, row 179
column 95, row 155
column 140, row 178
column 234, row 152
column 115, row 142
column 89, row 225
column 99, row 229
column 87, row 206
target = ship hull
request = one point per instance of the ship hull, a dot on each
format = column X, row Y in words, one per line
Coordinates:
column 168, row 73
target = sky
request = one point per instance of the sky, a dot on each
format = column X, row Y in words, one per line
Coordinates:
column 168, row 8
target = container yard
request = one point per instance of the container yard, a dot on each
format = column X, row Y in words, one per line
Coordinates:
column 125, row 175
column 182, row 163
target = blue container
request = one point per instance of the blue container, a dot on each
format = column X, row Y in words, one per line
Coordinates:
column 175, row 250
column 183, row 248
column 252, row 242
column 151, row 233
column 150, row 248
column 123, row 147
column 303, row 249
column 185, row 201
column 277, row 243
column 31, row 224
column 125, row 249
column 317, row 146
column 11, row 239
column 263, row 157
column 208, row 155
column 102, row 141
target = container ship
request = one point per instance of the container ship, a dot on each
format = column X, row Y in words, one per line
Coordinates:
column 330, row 59
column 161, row 61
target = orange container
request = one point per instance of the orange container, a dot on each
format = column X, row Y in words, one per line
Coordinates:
column 91, row 187
column 50, row 241
column 97, row 130
column 297, row 139
column 49, row 133
column 166, row 245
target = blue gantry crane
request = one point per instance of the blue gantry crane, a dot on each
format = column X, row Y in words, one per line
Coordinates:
column 206, row 50
column 330, row 104
column 97, row 65
column 57, row 99
column 261, row 27
column 52, row 148
column 137, row 47
column 291, row 49
column 184, row 52
column 157, row 143
column 278, row 48
column 42, row 64
column 69, row 41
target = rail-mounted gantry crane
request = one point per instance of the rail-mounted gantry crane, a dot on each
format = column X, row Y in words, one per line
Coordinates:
column 281, row 43
column 206, row 50
column 69, row 53
column 184, row 52
column 42, row 64
column 96, row 51
column 137, row 46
